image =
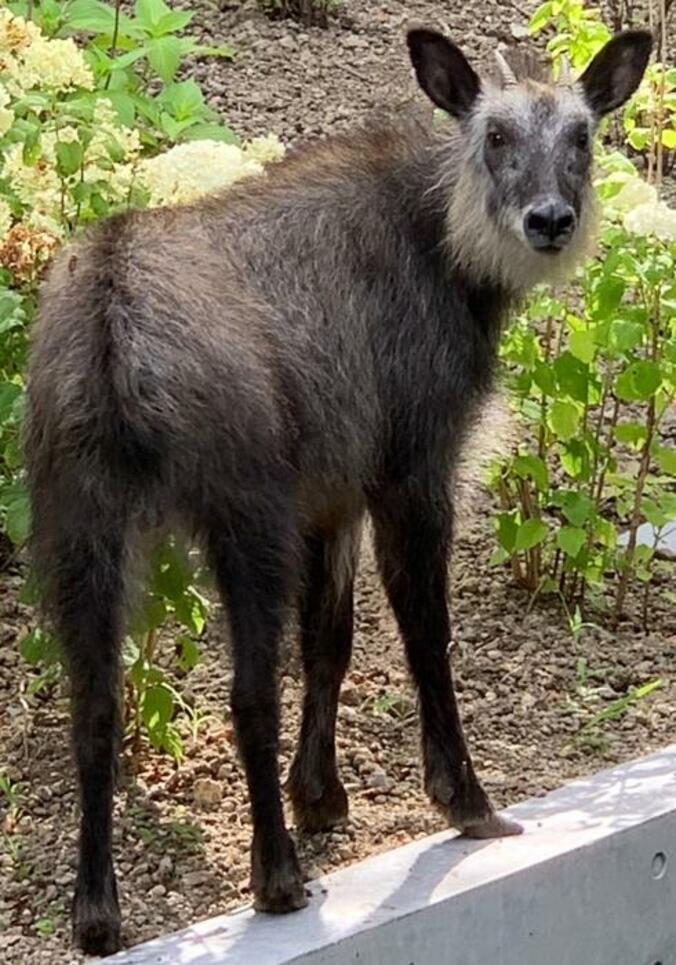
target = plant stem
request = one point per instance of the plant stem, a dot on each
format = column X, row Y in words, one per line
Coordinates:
column 506, row 504
column 644, row 606
column 530, row 511
column 113, row 40
column 542, row 436
column 609, row 444
column 597, row 433
column 659, row 112
column 644, row 468
column 150, row 644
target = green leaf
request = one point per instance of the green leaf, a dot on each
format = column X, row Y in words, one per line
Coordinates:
column 544, row 378
column 149, row 14
column 173, row 128
column 173, row 21
column 32, row 146
column 541, row 17
column 571, row 539
column 188, row 653
column 499, row 557
column 157, row 707
column 93, row 16
column 68, row 157
column 630, row 433
column 210, row 132
column 572, row 376
column 666, row 460
column 530, row 533
column 126, row 60
column 507, row 528
column 563, row 418
column 172, row 743
column 123, row 105
column 639, row 138
column 18, row 519
column 534, row 467
column 171, row 572
column 39, row 647
column 11, row 310
column 638, row 382
column 189, row 610
column 626, row 335
column 654, row 513
column 99, row 205
column 575, row 458
column 150, row 616
column 9, row 393
column 164, row 56
column 605, row 532
column 576, row 507
column 616, row 161
column 608, row 295
column 582, row 345
column 669, row 138
column 182, row 100
column 82, row 192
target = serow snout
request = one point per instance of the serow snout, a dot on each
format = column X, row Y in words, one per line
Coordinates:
column 549, row 226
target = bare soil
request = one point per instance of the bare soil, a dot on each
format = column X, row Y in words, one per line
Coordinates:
column 182, row 834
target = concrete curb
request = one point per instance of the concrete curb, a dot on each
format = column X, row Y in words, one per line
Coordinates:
column 590, row 882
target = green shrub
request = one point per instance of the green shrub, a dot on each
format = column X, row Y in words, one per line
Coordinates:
column 593, row 369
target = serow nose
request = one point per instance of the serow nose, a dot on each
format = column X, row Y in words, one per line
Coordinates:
column 549, row 226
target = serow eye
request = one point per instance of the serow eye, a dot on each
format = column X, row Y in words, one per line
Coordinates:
column 496, row 139
column 582, row 139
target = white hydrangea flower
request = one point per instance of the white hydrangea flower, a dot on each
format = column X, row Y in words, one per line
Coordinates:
column 45, row 222
column 5, row 218
column 57, row 64
column 107, row 129
column 633, row 193
column 654, row 218
column 264, row 149
column 119, row 180
column 188, row 171
column 6, row 114
column 15, row 33
column 67, row 133
column 37, row 185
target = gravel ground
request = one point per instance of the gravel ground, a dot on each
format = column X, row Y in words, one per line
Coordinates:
column 182, row 834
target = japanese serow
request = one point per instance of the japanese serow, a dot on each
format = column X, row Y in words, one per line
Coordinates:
column 266, row 367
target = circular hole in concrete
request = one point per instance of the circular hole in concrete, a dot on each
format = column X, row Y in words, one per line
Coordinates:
column 659, row 867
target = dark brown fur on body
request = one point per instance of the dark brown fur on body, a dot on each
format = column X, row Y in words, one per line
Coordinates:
column 263, row 368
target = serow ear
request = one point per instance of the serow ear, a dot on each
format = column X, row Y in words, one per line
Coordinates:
column 616, row 71
column 443, row 72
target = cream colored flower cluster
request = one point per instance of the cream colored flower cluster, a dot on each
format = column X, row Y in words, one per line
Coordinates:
column 5, row 218
column 38, row 185
column 15, row 34
column 189, row 171
column 30, row 60
column 638, row 207
column 110, row 152
column 654, row 218
column 6, row 113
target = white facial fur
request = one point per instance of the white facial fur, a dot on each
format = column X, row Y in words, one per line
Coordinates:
column 486, row 213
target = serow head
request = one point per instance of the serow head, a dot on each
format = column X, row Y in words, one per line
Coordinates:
column 525, row 144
